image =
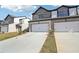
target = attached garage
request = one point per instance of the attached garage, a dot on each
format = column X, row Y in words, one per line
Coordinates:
column 66, row 26
column 4, row 28
column 40, row 27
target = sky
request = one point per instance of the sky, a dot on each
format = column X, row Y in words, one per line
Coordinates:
column 21, row 10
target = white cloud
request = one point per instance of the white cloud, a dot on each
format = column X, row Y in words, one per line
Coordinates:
column 19, row 8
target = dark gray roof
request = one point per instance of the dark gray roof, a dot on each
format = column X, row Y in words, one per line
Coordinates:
column 68, row 6
column 1, row 20
column 40, row 8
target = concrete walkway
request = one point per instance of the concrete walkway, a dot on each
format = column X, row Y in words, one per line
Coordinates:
column 67, row 42
column 27, row 43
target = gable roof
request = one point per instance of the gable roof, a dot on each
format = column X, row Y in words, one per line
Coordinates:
column 40, row 8
column 13, row 16
column 9, row 16
column 67, row 6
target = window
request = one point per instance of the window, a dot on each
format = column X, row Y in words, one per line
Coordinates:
column 63, row 11
column 40, row 16
column 54, row 14
column 43, row 16
column 72, row 11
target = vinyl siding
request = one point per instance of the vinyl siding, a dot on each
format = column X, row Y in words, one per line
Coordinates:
column 72, row 11
column 41, row 14
column 54, row 14
column 9, row 20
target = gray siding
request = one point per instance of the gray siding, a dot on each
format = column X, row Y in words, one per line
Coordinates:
column 9, row 20
column 41, row 14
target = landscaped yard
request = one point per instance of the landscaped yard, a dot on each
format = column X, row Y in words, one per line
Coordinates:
column 8, row 35
column 49, row 45
column 12, row 34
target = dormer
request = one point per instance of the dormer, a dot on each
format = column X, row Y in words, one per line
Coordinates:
column 9, row 19
column 62, row 11
column 41, row 13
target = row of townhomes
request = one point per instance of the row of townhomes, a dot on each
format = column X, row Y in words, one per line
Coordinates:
column 13, row 24
column 63, row 18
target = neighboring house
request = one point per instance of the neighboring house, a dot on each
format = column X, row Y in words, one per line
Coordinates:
column 64, row 18
column 10, row 24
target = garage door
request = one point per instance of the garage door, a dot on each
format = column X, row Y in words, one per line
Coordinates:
column 67, row 26
column 4, row 29
column 39, row 27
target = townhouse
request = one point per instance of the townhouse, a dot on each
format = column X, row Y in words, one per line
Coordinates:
column 63, row 18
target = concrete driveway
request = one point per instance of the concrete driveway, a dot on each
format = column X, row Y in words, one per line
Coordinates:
column 27, row 43
column 67, row 42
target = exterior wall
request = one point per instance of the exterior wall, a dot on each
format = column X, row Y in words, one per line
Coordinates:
column 41, row 14
column 25, row 24
column 17, row 19
column 12, row 27
column 72, row 12
column 9, row 20
column 30, row 27
column 72, row 19
column 59, row 20
column 54, row 14
column 12, row 22
column 63, row 11
column 60, row 12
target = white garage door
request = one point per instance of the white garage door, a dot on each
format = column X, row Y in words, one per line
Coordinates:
column 66, row 26
column 39, row 27
column 4, row 29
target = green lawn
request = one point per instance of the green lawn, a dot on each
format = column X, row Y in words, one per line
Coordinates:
column 8, row 35
column 49, row 45
column 12, row 34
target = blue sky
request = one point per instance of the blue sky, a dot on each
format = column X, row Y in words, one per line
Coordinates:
column 21, row 10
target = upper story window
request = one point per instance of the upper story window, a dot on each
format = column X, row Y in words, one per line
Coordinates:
column 72, row 11
column 21, row 21
column 54, row 14
column 63, row 11
column 43, row 16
